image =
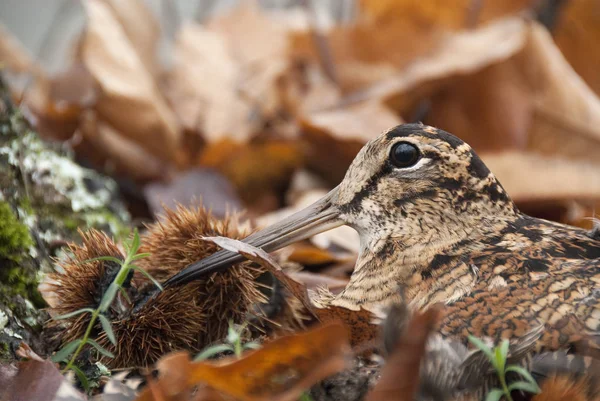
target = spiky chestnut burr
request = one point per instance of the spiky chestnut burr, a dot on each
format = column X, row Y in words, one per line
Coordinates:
column 187, row 317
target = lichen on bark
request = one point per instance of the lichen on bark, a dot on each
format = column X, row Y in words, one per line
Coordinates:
column 45, row 197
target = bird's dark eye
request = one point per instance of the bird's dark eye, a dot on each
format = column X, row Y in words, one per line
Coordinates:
column 404, row 154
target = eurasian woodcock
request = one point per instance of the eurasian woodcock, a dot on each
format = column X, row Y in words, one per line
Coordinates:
column 434, row 220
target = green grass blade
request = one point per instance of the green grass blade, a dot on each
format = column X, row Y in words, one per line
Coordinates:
column 305, row 397
column 135, row 243
column 523, row 372
column 252, row 345
column 104, row 259
column 212, row 351
column 524, row 386
column 82, row 378
column 139, row 256
column 124, row 294
column 501, row 352
column 100, row 348
column 494, row 395
column 107, row 327
column 149, row 276
column 109, row 296
column 64, row 353
column 75, row 313
column 232, row 335
column 483, row 348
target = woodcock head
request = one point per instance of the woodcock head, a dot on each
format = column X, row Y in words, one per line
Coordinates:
column 413, row 188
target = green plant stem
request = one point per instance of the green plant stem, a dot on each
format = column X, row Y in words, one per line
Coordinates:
column 84, row 340
column 238, row 349
column 504, row 386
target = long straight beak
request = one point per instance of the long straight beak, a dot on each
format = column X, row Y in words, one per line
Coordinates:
column 321, row 216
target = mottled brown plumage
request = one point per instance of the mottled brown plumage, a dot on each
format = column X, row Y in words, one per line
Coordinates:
column 446, row 231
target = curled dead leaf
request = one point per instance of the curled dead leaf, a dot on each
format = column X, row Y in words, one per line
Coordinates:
column 257, row 170
column 129, row 98
column 37, row 379
column 576, row 32
column 202, row 87
column 390, row 35
column 279, row 371
column 141, row 27
column 113, row 152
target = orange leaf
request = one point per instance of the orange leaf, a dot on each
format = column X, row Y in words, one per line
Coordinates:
column 279, row 371
column 576, row 33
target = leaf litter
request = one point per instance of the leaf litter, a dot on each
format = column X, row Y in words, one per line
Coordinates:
column 248, row 101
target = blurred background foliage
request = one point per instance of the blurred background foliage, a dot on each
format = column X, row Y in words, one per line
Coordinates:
column 262, row 105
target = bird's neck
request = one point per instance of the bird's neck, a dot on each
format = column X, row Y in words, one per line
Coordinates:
column 387, row 263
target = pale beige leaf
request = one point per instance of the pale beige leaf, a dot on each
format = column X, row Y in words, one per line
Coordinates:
column 141, row 27
column 202, row 86
column 532, row 101
column 335, row 136
column 527, row 176
column 362, row 121
column 567, row 112
column 130, row 99
column 458, row 53
column 108, row 147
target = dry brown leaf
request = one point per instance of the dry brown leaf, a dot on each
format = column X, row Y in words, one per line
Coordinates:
column 257, row 170
column 400, row 376
column 191, row 187
column 528, row 176
column 567, row 112
column 303, row 89
column 335, row 136
column 141, row 27
column 315, row 280
column 225, row 77
column 359, row 322
column 456, row 15
column 359, row 122
column 252, row 35
column 577, row 33
column 279, row 371
column 310, row 255
column 532, row 101
column 129, row 97
column 259, row 44
column 203, row 86
column 25, row 351
column 392, row 34
column 37, row 380
column 114, row 153
column 458, row 54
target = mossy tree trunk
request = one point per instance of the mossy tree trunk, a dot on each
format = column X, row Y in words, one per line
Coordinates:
column 44, row 199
